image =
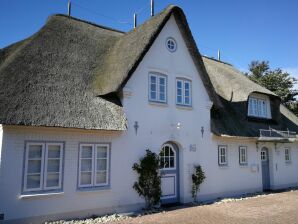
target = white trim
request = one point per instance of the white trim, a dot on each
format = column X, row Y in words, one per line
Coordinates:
column 107, row 165
column 183, row 97
column 175, row 157
column 241, row 162
column 157, row 76
column 258, row 107
column 41, row 168
column 288, row 157
column 94, row 166
column 80, row 164
column 220, row 155
column 46, row 166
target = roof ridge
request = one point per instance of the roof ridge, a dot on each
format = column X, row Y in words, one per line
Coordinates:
column 87, row 22
column 216, row 60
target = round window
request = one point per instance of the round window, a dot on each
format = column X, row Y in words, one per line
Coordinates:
column 171, row 44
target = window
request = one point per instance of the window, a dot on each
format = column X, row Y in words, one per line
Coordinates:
column 171, row 44
column 94, row 165
column 222, row 155
column 43, row 166
column 257, row 107
column 157, row 88
column 243, row 155
column 264, row 155
column 167, row 157
column 287, row 155
column 183, row 92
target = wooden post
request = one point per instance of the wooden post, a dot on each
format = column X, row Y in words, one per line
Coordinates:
column 134, row 20
column 152, row 7
column 69, row 8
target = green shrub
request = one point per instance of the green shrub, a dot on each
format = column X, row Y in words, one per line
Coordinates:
column 149, row 183
column 198, row 178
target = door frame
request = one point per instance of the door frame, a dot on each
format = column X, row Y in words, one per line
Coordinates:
column 268, row 162
column 176, row 171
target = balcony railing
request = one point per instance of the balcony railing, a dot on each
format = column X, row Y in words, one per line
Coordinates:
column 277, row 133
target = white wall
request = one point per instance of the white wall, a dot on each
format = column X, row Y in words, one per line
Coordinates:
column 282, row 174
column 157, row 123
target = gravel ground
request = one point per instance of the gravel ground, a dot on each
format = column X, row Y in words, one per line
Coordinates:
column 269, row 208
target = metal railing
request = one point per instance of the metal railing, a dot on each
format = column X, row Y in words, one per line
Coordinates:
column 277, row 133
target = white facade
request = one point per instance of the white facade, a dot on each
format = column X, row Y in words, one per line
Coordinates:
column 150, row 126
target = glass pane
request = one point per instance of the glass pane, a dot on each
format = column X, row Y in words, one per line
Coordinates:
column 153, row 87
column 53, row 165
column 179, row 84
column 101, row 164
column 35, row 151
column 54, row 151
column 162, row 89
column 167, row 162
column 152, row 79
column 166, row 150
column 53, row 180
column 187, row 101
column 179, row 99
column 34, row 166
column 171, row 152
column 186, row 92
column 162, row 81
column 171, row 162
column 162, row 97
column 102, row 152
column 186, row 85
column 86, row 164
column 33, row 181
column 101, row 177
column 179, row 92
column 86, row 152
column 153, row 95
column 86, row 178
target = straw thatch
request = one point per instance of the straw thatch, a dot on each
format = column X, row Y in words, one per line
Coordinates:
column 70, row 73
column 233, row 88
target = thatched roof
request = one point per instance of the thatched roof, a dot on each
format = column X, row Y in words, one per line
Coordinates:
column 46, row 80
column 70, row 72
column 233, row 88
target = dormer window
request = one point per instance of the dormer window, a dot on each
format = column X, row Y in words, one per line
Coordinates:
column 259, row 106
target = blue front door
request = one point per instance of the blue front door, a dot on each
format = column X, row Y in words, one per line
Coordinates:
column 265, row 168
column 169, row 161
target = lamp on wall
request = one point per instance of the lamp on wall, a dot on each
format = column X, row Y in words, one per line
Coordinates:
column 136, row 126
column 202, row 131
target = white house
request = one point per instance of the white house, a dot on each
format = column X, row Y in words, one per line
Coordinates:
column 80, row 103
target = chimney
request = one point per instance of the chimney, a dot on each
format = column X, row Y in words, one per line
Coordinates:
column 152, row 7
column 69, row 8
column 218, row 55
column 134, row 20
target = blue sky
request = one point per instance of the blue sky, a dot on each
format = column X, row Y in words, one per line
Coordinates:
column 242, row 30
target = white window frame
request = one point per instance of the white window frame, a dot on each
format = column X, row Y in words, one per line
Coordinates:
column 183, row 90
column 255, row 108
column 288, row 154
column 241, row 150
column 224, row 155
column 168, row 156
column 44, row 164
column 158, row 76
column 94, row 165
column 173, row 43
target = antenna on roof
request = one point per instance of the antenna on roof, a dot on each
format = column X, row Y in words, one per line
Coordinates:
column 134, row 20
column 152, row 7
column 218, row 55
column 69, row 8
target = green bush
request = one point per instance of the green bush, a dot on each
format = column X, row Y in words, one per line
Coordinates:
column 198, row 178
column 149, row 183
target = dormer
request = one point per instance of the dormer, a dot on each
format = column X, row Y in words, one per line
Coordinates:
column 259, row 106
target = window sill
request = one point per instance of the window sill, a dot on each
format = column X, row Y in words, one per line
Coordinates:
column 92, row 189
column 156, row 103
column 288, row 163
column 184, row 107
column 224, row 166
column 39, row 195
column 244, row 165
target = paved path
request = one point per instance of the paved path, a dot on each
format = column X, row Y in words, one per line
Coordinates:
column 271, row 208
